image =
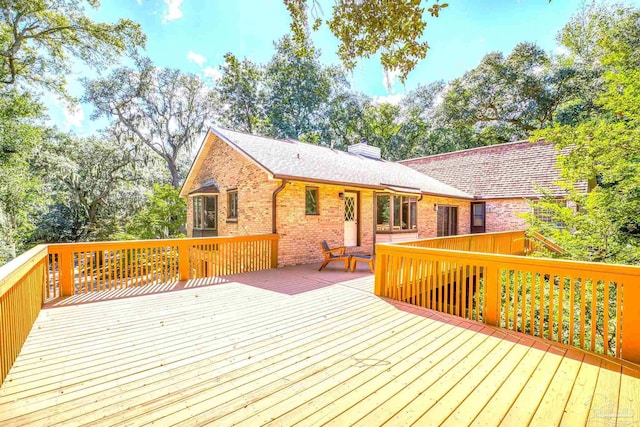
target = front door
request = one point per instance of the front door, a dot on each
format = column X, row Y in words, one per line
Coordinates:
column 350, row 219
column 478, row 217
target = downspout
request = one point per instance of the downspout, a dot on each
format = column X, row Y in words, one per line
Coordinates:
column 274, row 228
column 375, row 220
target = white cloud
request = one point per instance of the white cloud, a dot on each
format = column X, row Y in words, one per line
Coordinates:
column 388, row 99
column 73, row 116
column 196, row 58
column 212, row 72
column 173, row 11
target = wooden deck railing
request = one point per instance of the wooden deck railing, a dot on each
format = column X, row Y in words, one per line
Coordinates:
column 507, row 242
column 592, row 306
column 537, row 243
column 51, row 271
column 22, row 294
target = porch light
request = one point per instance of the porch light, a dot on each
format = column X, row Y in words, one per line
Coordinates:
column 341, row 196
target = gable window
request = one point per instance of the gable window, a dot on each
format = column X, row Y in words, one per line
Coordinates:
column 311, row 201
column 232, row 204
column 447, row 221
column 205, row 212
column 396, row 213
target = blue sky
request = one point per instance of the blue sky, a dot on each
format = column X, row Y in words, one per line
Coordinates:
column 194, row 35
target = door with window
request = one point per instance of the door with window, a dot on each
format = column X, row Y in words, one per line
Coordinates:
column 447, row 221
column 350, row 219
column 478, row 217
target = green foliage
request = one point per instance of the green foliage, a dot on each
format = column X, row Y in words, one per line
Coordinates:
column 20, row 194
column 605, row 151
column 162, row 217
column 39, row 37
column 298, row 88
column 506, row 97
column 240, row 93
column 90, row 181
column 364, row 28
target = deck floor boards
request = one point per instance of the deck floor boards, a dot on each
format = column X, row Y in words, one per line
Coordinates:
column 295, row 346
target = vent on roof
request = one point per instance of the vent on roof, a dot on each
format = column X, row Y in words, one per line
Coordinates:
column 364, row 149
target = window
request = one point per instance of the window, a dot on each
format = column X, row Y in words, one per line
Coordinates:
column 447, row 221
column 550, row 213
column 232, row 204
column 311, row 201
column 396, row 213
column 205, row 212
column 383, row 213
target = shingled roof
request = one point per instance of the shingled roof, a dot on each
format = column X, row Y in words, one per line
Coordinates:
column 510, row 170
column 292, row 159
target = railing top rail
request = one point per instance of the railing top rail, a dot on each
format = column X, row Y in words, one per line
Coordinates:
column 528, row 262
column 18, row 267
column 125, row 244
column 462, row 236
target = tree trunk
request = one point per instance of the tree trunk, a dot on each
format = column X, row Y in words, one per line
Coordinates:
column 173, row 169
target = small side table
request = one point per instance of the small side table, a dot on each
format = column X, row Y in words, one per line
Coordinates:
column 356, row 257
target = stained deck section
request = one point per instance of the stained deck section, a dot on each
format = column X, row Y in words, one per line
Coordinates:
column 294, row 346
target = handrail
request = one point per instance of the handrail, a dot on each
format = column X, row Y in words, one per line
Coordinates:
column 571, row 302
column 22, row 283
column 98, row 266
column 535, row 240
column 65, row 269
column 506, row 242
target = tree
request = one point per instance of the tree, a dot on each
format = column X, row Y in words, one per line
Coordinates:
column 380, row 127
column 605, row 151
column 507, row 98
column 364, row 28
column 162, row 217
column 20, row 195
column 38, row 38
column 584, row 53
column 88, row 178
column 160, row 108
column 298, row 88
column 240, row 91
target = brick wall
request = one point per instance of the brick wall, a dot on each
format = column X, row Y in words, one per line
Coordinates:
column 502, row 214
column 301, row 234
column 427, row 215
column 231, row 170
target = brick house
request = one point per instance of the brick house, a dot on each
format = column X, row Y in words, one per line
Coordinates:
column 247, row 184
column 503, row 179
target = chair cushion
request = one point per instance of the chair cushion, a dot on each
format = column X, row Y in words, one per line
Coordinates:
column 361, row 256
column 325, row 246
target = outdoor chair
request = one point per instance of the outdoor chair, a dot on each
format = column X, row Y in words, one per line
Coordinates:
column 335, row 254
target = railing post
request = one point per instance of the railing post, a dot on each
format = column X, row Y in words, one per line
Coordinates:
column 274, row 252
column 492, row 296
column 66, row 272
column 380, row 273
column 183, row 260
column 631, row 320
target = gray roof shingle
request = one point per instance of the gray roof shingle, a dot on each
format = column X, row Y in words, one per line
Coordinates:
column 510, row 170
column 295, row 159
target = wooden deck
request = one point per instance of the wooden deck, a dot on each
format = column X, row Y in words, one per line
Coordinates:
column 297, row 346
